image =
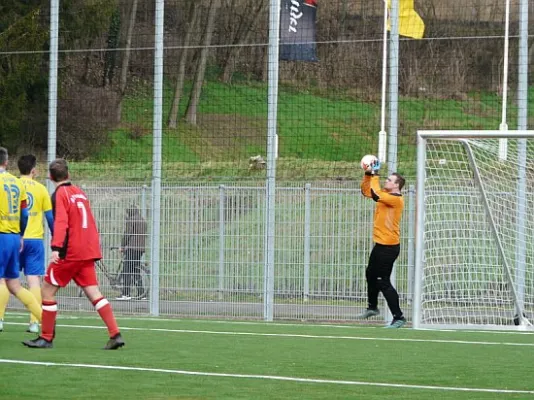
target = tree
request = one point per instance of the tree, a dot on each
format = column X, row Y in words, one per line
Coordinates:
column 173, row 115
column 126, row 57
column 83, row 24
column 243, row 34
column 110, row 58
column 22, row 82
column 191, row 113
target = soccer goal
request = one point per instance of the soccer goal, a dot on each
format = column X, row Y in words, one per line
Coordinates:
column 475, row 230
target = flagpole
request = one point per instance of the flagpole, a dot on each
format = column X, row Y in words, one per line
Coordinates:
column 382, row 136
column 503, row 144
column 393, row 103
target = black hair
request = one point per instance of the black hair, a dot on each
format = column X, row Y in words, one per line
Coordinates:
column 26, row 164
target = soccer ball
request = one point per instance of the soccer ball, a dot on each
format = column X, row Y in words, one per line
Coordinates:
column 367, row 161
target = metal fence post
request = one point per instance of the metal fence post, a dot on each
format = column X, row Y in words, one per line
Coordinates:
column 143, row 201
column 270, row 183
column 307, row 239
column 222, row 208
column 52, row 101
column 157, row 160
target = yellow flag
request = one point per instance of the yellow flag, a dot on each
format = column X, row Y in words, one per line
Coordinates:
column 410, row 23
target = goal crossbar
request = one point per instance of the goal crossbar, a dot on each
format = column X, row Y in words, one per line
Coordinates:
column 461, row 134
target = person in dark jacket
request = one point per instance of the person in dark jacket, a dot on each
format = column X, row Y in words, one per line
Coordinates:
column 133, row 245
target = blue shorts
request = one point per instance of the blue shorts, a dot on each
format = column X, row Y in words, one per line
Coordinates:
column 9, row 255
column 32, row 258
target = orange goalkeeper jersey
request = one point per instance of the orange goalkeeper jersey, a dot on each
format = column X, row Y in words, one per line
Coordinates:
column 388, row 212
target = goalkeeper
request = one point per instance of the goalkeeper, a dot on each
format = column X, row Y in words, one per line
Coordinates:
column 386, row 236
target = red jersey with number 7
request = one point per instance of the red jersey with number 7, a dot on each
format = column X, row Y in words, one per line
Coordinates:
column 75, row 236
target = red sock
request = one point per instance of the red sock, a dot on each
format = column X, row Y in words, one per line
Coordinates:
column 106, row 313
column 49, row 320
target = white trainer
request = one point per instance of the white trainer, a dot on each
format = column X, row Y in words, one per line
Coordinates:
column 33, row 328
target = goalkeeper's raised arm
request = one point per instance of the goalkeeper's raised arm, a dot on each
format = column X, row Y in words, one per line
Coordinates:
column 373, row 170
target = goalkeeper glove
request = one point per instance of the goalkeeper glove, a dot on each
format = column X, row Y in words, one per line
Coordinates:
column 375, row 167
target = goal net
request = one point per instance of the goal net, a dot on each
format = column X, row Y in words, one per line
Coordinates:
column 475, row 238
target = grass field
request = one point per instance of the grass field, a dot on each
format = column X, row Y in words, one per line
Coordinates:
column 191, row 359
column 322, row 133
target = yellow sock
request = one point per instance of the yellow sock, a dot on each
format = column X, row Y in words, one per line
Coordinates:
column 36, row 291
column 30, row 302
column 4, row 299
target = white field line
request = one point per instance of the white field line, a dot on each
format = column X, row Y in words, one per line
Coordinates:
column 208, row 321
column 291, row 335
column 269, row 377
column 303, row 324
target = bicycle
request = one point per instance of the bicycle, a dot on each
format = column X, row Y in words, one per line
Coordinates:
column 115, row 277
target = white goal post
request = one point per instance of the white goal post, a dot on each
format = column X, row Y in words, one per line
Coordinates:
column 475, row 230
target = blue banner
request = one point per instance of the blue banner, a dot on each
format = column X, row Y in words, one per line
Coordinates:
column 298, row 30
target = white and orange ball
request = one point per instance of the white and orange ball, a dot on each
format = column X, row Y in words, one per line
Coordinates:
column 367, row 162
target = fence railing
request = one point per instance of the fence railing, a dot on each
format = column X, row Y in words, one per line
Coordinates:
column 212, row 250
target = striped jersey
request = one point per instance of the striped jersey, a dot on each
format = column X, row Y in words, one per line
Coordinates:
column 12, row 199
column 38, row 203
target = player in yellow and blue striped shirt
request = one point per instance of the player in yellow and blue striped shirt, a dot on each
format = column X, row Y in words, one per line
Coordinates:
column 13, row 221
column 32, row 257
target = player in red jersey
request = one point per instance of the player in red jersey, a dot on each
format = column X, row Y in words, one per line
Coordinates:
column 75, row 248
